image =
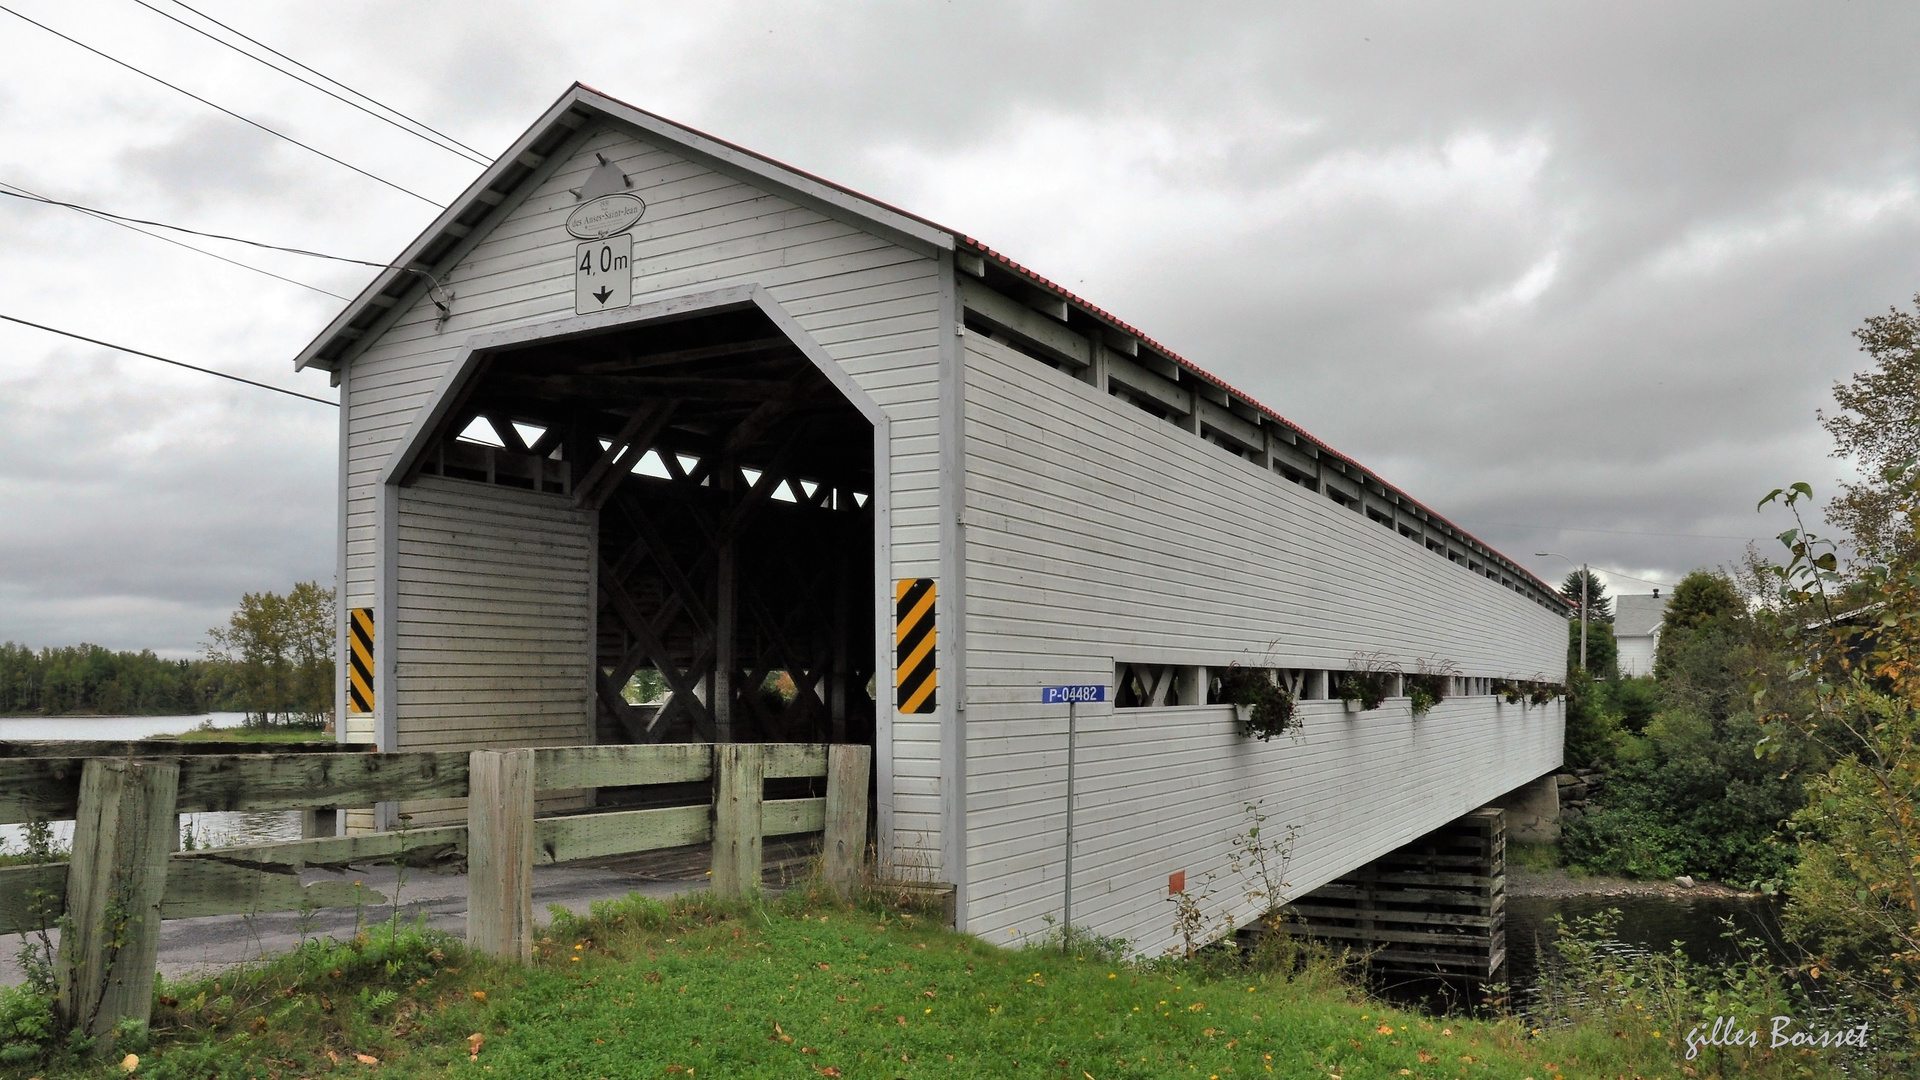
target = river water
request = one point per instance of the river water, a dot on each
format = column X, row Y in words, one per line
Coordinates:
column 1646, row 924
column 207, row 830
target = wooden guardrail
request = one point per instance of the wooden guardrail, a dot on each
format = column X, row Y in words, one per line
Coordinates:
column 122, row 879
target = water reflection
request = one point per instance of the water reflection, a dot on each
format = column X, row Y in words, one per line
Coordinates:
column 208, row 830
column 111, row 727
column 223, row 829
column 1647, row 924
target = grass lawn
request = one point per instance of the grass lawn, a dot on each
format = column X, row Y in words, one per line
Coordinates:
column 1534, row 857
column 802, row 988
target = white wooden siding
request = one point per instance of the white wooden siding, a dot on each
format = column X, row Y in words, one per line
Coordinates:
column 1165, row 790
column 495, row 617
column 1636, row 654
column 1096, row 533
column 870, row 303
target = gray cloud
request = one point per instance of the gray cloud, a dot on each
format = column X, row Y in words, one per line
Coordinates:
column 137, row 514
column 211, row 159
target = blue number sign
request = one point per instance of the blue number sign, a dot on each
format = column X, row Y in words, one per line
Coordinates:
column 1071, row 695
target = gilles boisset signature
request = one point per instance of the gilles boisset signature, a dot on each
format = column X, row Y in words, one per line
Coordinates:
column 1724, row 1032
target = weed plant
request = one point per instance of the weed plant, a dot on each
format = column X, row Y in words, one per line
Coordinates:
column 1600, row 993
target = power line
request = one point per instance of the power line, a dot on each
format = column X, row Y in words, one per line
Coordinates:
column 192, row 232
column 481, row 154
column 435, row 292
column 111, row 219
column 221, row 109
column 463, row 154
column 1630, row 577
column 164, row 360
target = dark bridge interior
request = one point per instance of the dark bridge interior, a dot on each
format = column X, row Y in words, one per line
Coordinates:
column 734, row 487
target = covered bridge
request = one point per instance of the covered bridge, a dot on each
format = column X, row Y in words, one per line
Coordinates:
column 646, row 410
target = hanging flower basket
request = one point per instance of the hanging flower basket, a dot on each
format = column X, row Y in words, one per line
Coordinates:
column 1366, row 682
column 1430, row 684
column 1263, row 707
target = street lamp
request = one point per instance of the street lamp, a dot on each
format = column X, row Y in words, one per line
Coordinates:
column 1583, row 602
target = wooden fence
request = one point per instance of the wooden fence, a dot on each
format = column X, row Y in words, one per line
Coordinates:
column 123, row 878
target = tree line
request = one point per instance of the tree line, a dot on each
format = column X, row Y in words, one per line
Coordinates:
column 272, row 660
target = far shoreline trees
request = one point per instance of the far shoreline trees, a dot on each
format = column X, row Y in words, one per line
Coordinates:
column 273, row 661
column 277, row 653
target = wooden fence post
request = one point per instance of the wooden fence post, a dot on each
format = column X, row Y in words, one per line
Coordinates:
column 740, row 771
column 845, row 843
column 124, row 828
column 500, row 853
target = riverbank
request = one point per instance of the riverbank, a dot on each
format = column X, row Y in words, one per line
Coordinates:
column 251, row 735
column 113, row 727
column 1560, row 884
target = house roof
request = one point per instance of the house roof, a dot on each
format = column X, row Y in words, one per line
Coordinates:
column 1637, row 614
column 545, row 145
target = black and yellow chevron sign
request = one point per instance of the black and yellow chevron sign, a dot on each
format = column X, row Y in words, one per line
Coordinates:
column 360, row 667
column 915, row 674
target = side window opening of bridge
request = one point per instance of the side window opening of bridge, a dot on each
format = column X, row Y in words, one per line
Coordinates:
column 1139, row 685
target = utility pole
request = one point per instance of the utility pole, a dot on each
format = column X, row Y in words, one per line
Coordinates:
column 1583, row 616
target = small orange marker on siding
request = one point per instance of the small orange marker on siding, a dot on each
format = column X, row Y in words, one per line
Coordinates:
column 1177, row 882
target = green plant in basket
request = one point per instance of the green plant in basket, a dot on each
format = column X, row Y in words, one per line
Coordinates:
column 1368, row 680
column 1430, row 684
column 1266, row 707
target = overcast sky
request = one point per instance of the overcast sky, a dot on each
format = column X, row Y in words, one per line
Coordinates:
column 1577, row 277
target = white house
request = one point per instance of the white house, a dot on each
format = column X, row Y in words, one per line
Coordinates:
column 641, row 399
column 1636, row 628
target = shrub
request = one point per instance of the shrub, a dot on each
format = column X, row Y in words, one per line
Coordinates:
column 26, row 1025
column 1665, row 997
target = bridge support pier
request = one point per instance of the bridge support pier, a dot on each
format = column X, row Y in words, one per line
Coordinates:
column 1436, row 906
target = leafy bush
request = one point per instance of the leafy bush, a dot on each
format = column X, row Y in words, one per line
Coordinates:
column 1603, row 649
column 27, row 1026
column 1855, row 893
column 1633, row 701
column 1598, row 987
column 1689, row 797
column 1593, row 730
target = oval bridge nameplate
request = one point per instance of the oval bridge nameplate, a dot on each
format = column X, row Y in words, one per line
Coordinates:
column 605, row 216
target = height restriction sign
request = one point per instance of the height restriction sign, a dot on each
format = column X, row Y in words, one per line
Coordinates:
column 603, row 274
